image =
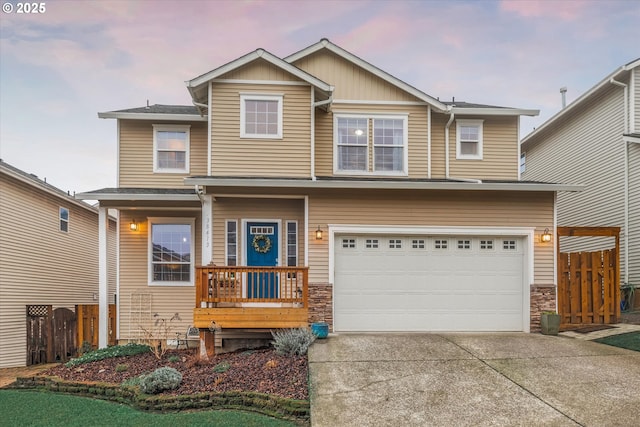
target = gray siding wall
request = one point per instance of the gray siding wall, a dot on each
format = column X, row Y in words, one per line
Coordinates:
column 585, row 148
column 634, row 214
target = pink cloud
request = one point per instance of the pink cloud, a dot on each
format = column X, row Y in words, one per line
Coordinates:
column 565, row 10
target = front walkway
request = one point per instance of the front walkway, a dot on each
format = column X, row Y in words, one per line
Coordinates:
column 471, row 379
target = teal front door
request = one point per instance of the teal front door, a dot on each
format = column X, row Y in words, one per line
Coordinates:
column 262, row 251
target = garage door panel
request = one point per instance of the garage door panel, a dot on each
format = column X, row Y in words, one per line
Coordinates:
column 424, row 289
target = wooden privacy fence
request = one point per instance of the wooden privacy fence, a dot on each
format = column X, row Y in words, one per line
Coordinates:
column 51, row 334
column 88, row 318
column 588, row 282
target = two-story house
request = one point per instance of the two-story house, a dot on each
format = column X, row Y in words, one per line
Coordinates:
column 317, row 187
column 595, row 142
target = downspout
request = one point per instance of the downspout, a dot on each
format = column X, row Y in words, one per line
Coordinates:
column 626, row 176
column 452, row 116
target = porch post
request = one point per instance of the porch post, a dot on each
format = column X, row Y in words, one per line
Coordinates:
column 103, row 288
column 207, row 229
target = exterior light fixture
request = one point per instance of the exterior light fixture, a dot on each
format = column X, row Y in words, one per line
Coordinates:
column 546, row 236
column 133, row 226
column 318, row 234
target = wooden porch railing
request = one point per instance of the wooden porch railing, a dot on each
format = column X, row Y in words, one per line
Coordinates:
column 216, row 286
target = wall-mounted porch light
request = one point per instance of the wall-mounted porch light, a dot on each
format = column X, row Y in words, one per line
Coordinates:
column 318, row 234
column 133, row 226
column 546, row 236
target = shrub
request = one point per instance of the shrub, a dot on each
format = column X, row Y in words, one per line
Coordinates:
column 174, row 359
column 159, row 380
column 106, row 353
column 221, row 367
column 121, row 367
column 293, row 341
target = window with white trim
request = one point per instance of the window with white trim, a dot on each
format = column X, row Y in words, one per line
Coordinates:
column 464, row 244
column 64, row 219
column 381, row 151
column 469, row 139
column 395, row 244
column 418, row 244
column 260, row 116
column 371, row 244
column 486, row 244
column 509, row 245
column 171, row 148
column 440, row 244
column 348, row 243
column 232, row 243
column 171, row 251
column 292, row 243
column 523, row 162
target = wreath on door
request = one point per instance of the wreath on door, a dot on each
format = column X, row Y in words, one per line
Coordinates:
column 261, row 243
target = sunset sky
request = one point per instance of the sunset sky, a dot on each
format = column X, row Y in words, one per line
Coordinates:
column 59, row 68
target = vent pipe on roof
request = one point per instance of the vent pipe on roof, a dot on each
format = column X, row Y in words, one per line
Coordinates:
column 563, row 91
column 147, row 107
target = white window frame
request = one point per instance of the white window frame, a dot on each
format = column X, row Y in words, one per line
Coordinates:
column 171, row 220
column 259, row 97
column 294, row 246
column 469, row 123
column 171, row 128
column 371, row 146
column 227, row 253
column 62, row 220
column 523, row 162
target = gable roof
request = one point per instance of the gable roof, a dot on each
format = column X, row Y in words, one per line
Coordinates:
column 197, row 85
column 460, row 107
column 326, row 44
column 575, row 105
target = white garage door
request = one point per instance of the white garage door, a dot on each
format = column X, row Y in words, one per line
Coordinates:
column 428, row 283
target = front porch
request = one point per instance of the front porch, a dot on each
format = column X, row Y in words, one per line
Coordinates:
column 241, row 297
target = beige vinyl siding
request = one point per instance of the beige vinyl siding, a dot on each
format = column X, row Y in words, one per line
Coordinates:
column 634, row 214
column 350, row 81
column 438, row 124
column 134, row 277
column 249, row 157
column 438, row 209
column 499, row 150
column 136, row 155
column 417, row 134
column 227, row 209
column 586, row 148
column 259, row 70
column 39, row 264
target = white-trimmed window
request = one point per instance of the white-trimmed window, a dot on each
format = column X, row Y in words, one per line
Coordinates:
column 171, row 148
column 64, row 219
column 232, row 243
column 171, row 251
column 292, row 243
column 381, row 151
column 523, row 162
column 260, row 116
column 469, row 139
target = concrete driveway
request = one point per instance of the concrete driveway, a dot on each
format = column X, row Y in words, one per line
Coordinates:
column 502, row 379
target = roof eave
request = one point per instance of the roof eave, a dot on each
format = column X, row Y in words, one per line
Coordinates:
column 495, row 111
column 152, row 116
column 372, row 184
column 138, row 197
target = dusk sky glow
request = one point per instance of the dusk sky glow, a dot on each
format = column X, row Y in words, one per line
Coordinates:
column 59, row 68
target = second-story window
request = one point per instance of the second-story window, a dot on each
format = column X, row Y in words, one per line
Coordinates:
column 370, row 145
column 469, row 139
column 260, row 116
column 171, row 148
column 64, row 219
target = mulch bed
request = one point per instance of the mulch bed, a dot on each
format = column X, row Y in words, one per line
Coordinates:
column 261, row 371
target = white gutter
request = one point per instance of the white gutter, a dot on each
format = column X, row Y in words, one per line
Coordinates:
column 446, row 143
column 153, row 116
column 304, row 184
column 495, row 111
column 626, row 176
column 209, row 142
column 138, row 197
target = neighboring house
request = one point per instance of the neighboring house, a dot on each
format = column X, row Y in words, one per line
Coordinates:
column 381, row 207
column 595, row 142
column 48, row 255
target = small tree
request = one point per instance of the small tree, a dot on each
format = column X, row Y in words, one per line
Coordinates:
column 157, row 335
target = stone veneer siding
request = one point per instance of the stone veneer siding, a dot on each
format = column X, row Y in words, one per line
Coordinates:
column 321, row 303
column 543, row 298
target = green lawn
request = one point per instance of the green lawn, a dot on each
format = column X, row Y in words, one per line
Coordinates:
column 630, row 340
column 31, row 408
